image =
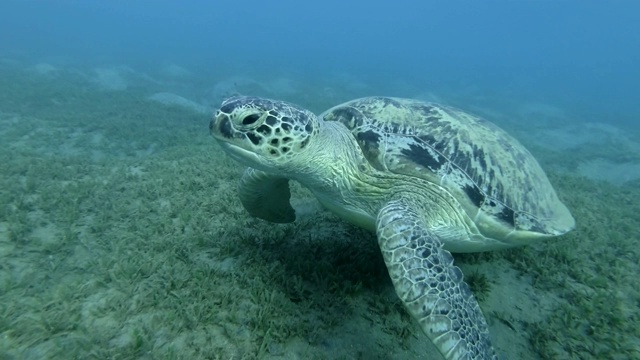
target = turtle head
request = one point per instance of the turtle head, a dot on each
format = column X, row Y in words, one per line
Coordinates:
column 262, row 133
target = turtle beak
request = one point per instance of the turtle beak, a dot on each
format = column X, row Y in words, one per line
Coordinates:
column 239, row 154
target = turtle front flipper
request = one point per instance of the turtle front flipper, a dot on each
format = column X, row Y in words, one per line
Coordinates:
column 430, row 286
column 266, row 196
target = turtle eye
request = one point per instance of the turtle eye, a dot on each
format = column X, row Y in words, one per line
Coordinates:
column 250, row 119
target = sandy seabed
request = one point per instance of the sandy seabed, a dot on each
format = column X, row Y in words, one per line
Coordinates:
column 121, row 237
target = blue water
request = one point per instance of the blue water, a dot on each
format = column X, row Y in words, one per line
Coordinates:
column 91, row 211
column 580, row 55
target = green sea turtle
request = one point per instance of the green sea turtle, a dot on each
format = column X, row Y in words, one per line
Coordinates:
column 427, row 178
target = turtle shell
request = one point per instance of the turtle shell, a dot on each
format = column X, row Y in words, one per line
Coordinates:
column 497, row 181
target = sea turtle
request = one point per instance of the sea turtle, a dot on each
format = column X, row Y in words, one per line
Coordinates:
column 427, row 178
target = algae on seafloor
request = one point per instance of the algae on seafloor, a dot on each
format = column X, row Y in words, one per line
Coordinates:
column 121, row 236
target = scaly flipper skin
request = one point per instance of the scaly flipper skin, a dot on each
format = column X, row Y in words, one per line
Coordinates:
column 266, row 196
column 430, row 286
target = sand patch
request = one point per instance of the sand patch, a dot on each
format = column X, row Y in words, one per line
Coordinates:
column 170, row 99
column 606, row 170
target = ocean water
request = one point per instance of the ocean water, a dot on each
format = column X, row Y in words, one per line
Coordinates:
column 121, row 232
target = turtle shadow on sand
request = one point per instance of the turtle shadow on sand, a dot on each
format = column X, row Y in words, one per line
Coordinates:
column 324, row 284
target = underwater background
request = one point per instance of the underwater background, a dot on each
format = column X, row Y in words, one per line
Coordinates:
column 121, row 234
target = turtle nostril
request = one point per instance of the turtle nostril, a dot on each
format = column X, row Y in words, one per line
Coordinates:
column 250, row 119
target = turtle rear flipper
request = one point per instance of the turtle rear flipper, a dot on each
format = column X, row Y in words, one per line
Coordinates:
column 430, row 286
column 266, row 196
